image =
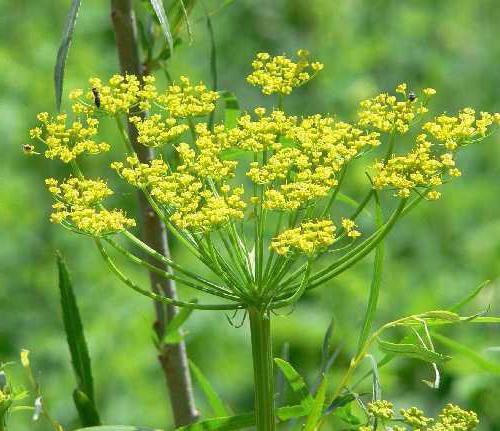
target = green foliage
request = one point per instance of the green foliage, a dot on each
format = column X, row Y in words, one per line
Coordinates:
column 83, row 396
column 215, row 402
column 62, row 53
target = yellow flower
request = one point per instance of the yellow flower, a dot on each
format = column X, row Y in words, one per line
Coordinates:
column 187, row 100
column 308, row 238
column 65, row 142
column 280, row 74
column 78, row 206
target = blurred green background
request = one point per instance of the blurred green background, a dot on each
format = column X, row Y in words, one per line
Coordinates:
column 438, row 254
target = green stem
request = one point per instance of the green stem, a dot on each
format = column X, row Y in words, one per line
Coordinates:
column 262, row 352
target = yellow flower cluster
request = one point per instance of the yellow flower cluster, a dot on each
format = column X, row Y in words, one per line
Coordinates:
column 119, row 96
column 308, row 238
column 187, row 100
column 77, row 205
column 415, row 418
column 307, row 169
column 451, row 418
column 280, row 74
column 350, row 228
column 191, row 200
column 418, row 168
column 455, row 419
column 386, row 113
column 453, row 132
column 156, row 132
column 423, row 167
column 66, row 143
column 381, row 409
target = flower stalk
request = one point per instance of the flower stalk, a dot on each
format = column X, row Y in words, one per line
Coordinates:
column 262, row 353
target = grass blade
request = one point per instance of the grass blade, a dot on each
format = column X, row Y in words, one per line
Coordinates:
column 215, row 402
column 317, row 407
column 165, row 26
column 62, row 52
column 77, row 345
column 378, row 264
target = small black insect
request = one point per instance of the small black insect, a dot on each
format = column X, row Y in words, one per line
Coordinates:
column 28, row 149
column 97, row 97
column 412, row 96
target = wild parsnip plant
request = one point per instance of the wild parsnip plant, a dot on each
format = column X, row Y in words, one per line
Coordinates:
column 255, row 200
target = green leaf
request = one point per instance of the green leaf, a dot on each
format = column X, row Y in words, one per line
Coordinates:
column 441, row 315
column 317, row 408
column 413, row 351
column 296, row 382
column 470, row 297
column 472, row 355
column 165, row 26
column 77, row 345
column 378, row 265
column 86, row 408
column 231, row 109
column 222, row 424
column 62, row 52
column 118, row 428
column 216, row 404
column 340, row 401
column 237, row 422
column 172, row 334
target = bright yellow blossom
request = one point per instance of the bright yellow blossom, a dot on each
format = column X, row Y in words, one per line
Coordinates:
column 280, row 74
column 308, row 238
column 78, row 206
column 184, row 99
column 68, row 142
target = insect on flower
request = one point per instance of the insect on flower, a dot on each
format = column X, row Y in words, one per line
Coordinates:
column 97, row 97
column 412, row 96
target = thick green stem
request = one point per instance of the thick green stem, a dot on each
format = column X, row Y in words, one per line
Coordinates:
column 262, row 352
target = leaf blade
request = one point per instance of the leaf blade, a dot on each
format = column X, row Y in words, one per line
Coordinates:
column 296, row 382
column 317, row 409
column 62, row 52
column 215, row 402
column 164, row 24
column 77, row 344
column 413, row 351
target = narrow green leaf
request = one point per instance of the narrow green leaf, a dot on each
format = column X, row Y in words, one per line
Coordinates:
column 413, row 351
column 237, row 422
column 340, row 401
column 222, row 424
column 165, row 26
column 86, row 408
column 441, row 315
column 172, row 334
column 62, row 52
column 470, row 297
column 290, row 412
column 296, row 382
column 378, row 264
column 317, row 409
column 216, row 404
column 76, row 341
column 472, row 355
column 118, row 428
column 231, row 109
